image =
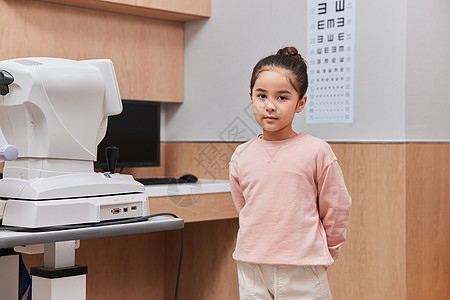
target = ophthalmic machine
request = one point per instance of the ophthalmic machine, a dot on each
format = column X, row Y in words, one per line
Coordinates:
column 53, row 114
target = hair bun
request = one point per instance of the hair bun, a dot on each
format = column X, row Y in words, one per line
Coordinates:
column 292, row 51
column 289, row 59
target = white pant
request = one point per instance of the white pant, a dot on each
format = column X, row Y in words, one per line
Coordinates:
column 282, row 282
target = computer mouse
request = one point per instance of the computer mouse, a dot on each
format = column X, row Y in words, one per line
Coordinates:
column 188, row 178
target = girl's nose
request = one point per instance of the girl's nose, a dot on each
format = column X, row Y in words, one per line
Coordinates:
column 270, row 106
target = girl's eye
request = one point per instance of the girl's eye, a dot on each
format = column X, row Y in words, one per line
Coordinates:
column 282, row 98
column 262, row 96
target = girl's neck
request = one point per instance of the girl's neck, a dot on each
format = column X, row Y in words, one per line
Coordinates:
column 277, row 136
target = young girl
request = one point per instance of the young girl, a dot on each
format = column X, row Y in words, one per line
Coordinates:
column 289, row 192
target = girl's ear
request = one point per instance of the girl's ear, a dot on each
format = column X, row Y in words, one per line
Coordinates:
column 301, row 104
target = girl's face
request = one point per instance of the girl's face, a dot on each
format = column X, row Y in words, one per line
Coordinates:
column 275, row 103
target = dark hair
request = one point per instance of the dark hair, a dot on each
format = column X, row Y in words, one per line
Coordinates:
column 287, row 58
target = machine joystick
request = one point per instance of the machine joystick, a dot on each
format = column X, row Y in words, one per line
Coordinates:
column 5, row 79
column 112, row 155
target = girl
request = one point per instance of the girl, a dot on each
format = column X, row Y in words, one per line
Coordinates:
column 289, row 192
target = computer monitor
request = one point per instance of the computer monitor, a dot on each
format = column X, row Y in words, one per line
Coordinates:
column 136, row 132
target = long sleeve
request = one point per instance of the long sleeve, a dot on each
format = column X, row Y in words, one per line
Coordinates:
column 236, row 191
column 334, row 206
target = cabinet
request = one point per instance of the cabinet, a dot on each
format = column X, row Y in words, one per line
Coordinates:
column 175, row 10
column 147, row 51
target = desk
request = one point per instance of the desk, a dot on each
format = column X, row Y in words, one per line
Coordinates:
column 202, row 186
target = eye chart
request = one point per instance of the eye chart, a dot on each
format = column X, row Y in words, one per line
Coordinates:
column 330, row 44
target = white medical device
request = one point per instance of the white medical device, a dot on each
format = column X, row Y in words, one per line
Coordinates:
column 53, row 114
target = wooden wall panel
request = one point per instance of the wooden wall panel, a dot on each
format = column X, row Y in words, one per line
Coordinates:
column 204, row 160
column 124, row 267
column 372, row 263
column 208, row 271
column 428, row 211
column 147, row 53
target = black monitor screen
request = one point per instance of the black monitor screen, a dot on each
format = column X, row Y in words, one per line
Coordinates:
column 136, row 132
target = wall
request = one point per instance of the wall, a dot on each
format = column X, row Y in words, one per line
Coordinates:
column 427, row 108
column 397, row 239
column 427, row 211
column 427, row 69
column 398, row 234
column 226, row 50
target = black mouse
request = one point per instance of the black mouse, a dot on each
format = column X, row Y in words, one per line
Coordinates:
column 187, row 178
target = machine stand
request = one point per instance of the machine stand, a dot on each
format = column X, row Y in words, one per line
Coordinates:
column 67, row 283
column 59, row 278
column 9, row 274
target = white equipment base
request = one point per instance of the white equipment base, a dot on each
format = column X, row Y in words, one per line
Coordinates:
column 71, row 199
column 44, row 213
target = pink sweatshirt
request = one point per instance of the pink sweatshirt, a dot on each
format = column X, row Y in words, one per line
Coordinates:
column 292, row 202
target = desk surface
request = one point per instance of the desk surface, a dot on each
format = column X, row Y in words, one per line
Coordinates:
column 202, row 186
column 10, row 239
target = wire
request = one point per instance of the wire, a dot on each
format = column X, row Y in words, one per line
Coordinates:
column 78, row 226
column 104, row 223
column 179, row 264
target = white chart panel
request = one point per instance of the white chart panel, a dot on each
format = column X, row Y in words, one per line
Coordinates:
column 330, row 44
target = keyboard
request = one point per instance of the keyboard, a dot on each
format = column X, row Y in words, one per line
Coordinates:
column 157, row 180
